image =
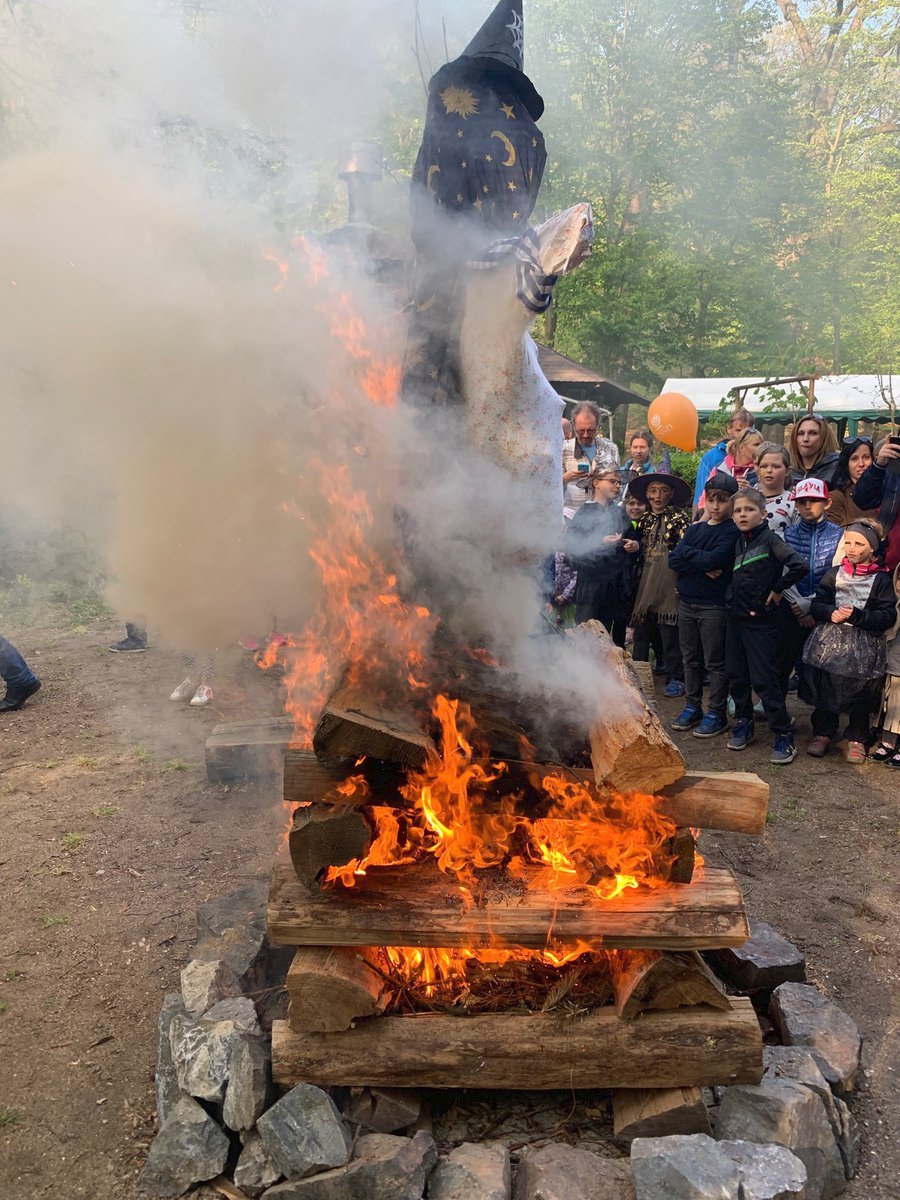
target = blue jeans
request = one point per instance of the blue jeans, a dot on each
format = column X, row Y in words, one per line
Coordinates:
column 13, row 667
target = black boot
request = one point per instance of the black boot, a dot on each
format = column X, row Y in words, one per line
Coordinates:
column 16, row 697
column 134, row 642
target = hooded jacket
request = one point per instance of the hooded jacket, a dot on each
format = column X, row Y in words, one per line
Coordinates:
column 825, row 469
column 816, row 541
column 763, row 563
column 875, row 488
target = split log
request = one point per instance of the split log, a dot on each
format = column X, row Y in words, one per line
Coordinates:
column 630, row 749
column 325, row 836
column 246, row 750
column 354, row 722
column 330, row 988
column 420, row 906
column 650, row 980
column 308, row 781
column 528, row 1052
column 658, row 1112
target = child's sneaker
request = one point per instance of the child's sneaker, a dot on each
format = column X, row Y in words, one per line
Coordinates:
column 674, row 690
column 711, row 726
column 688, row 717
column 202, row 696
column 785, row 751
column 184, row 690
column 855, row 754
column 742, row 735
column 818, row 747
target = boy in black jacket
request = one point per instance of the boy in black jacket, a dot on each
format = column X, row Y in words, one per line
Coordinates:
column 763, row 567
column 702, row 560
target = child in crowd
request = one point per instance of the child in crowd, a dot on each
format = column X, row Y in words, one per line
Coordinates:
column 773, row 471
column 656, row 604
column 815, row 539
column 763, row 567
column 845, row 657
column 598, row 549
column 889, row 720
column 703, row 561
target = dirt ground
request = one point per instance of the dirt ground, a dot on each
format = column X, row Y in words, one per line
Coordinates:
column 111, row 836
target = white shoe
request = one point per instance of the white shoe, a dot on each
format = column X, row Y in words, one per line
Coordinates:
column 184, row 689
column 202, row 696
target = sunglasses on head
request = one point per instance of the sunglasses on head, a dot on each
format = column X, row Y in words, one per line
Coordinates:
column 862, row 439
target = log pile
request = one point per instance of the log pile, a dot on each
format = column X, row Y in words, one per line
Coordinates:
column 660, row 1019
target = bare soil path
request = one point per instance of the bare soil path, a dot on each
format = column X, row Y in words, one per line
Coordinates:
column 111, row 836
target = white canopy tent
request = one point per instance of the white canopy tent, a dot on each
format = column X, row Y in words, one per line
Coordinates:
column 841, row 398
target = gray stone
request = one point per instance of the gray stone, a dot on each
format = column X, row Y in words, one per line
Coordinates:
column 206, row 982
column 683, row 1167
column 168, row 1093
column 847, row 1138
column 255, row 1170
column 794, row 1062
column 762, row 963
column 248, row 1083
column 384, row 1110
column 767, row 1172
column 202, row 1047
column 383, row 1168
column 562, row 1172
column 804, row 1017
column 303, row 1133
column 472, row 1172
column 790, row 1115
column 188, row 1149
column 233, row 928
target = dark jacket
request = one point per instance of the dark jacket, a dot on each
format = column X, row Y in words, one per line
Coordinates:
column 602, row 569
column 817, row 542
column 705, row 548
column 825, row 469
column 875, row 488
column 880, row 609
column 763, row 563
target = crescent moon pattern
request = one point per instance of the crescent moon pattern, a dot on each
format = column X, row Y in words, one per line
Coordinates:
column 432, row 171
column 510, row 148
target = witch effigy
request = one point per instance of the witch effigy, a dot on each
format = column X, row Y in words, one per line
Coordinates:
column 482, row 272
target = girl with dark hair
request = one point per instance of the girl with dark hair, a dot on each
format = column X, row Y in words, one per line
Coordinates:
column 856, row 457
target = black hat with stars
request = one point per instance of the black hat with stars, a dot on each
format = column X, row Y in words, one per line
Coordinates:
column 498, row 48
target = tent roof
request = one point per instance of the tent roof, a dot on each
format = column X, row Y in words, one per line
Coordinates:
column 565, row 373
column 836, row 396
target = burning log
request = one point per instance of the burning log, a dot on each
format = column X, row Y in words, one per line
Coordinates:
column 418, row 905
column 630, row 749
column 331, row 988
column 322, row 836
column 682, row 847
column 308, row 781
column 650, row 979
column 355, row 722
column 528, row 1052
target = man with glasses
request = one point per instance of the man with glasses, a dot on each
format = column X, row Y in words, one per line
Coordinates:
column 586, row 453
column 741, row 419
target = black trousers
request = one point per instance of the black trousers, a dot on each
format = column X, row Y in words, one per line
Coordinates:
column 751, row 664
column 791, row 638
column 825, row 724
column 668, row 635
column 701, row 634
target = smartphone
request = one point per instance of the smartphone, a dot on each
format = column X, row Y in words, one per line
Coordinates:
column 584, row 467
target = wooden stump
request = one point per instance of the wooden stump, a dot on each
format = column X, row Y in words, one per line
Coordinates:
column 649, row 980
column 331, row 988
column 357, row 723
column 325, row 836
column 660, row 1112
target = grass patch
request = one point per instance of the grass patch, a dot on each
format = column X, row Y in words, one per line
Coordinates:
column 9, row 1116
column 73, row 842
column 106, row 810
column 12, row 976
column 51, row 922
column 140, row 752
column 86, row 761
column 49, row 764
column 3, row 1007
column 176, row 764
column 9, row 788
column 81, row 610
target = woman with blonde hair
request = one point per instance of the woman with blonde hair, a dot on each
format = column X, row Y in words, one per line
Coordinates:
column 814, row 450
column 741, row 456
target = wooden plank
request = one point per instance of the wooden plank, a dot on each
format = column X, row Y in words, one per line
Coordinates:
column 644, row 980
column 658, row 1112
column 689, row 1048
column 419, row 906
column 243, row 750
column 355, row 722
column 630, row 749
column 736, row 801
column 331, row 987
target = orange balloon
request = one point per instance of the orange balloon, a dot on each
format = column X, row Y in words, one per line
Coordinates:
column 673, row 420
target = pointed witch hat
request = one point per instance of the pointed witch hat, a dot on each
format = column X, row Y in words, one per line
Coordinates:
column 498, row 49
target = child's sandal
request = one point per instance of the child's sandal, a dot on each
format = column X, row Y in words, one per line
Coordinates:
column 882, row 754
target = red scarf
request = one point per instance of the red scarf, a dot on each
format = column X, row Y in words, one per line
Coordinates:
column 869, row 568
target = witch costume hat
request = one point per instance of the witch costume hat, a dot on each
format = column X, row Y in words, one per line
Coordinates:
column 501, row 40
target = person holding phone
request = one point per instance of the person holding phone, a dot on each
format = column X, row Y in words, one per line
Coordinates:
column 879, row 487
column 586, row 453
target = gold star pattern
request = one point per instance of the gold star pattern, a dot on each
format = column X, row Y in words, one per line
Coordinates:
column 459, row 101
column 488, row 158
column 534, row 143
column 459, row 197
column 511, row 186
column 477, row 203
column 509, row 111
column 459, row 133
column 463, row 164
column 433, row 373
column 516, row 215
column 485, row 189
